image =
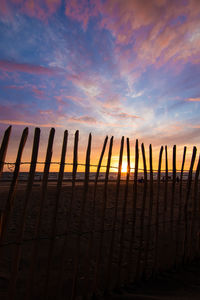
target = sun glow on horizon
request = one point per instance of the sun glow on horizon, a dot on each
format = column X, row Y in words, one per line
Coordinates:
column 124, row 167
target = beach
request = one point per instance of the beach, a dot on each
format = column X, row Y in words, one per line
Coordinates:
column 77, row 225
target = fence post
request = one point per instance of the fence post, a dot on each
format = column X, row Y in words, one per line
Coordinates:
column 11, row 194
column 166, row 190
column 138, row 266
column 193, row 232
column 99, row 251
column 180, row 208
column 148, row 236
column 92, row 217
column 155, row 266
column 173, row 194
column 17, row 250
column 121, row 251
column 130, row 252
column 54, row 219
column 111, row 249
column 31, row 277
column 82, row 213
column 63, row 250
column 3, row 149
column 189, row 182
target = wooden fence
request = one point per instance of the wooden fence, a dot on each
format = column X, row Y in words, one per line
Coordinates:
column 78, row 240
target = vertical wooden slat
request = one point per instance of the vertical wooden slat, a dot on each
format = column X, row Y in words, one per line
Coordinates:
column 173, row 194
column 4, row 146
column 122, row 237
column 194, row 230
column 189, row 183
column 142, row 217
column 148, row 237
column 69, row 216
column 155, row 266
column 31, row 277
column 132, row 239
column 17, row 249
column 180, row 207
column 54, row 220
column 92, row 217
column 111, row 249
column 82, row 214
column 11, row 194
column 102, row 225
column 3, row 151
column 166, row 191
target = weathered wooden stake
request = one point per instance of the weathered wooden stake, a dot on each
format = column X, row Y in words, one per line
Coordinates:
column 148, row 236
column 179, row 209
column 82, row 214
column 104, row 204
column 111, row 249
column 142, row 218
column 12, row 190
column 93, row 221
column 195, row 217
column 35, row 248
column 54, row 220
column 17, row 249
column 166, row 191
column 173, row 195
column 132, row 240
column 3, row 151
column 189, row 183
column 69, row 216
column 156, row 262
column 4, row 146
column 122, row 236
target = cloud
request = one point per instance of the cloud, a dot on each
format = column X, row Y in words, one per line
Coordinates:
column 22, row 123
column 30, row 87
column 41, row 9
column 83, row 120
column 28, row 115
column 12, row 66
column 81, row 10
column 193, row 99
column 123, row 115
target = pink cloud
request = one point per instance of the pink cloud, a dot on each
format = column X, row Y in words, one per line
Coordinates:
column 81, row 10
column 33, row 8
column 11, row 66
column 154, row 31
column 23, row 114
column 38, row 93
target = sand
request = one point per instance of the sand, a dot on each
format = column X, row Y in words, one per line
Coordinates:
column 60, row 288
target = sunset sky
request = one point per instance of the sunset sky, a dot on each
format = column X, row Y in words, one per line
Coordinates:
column 109, row 67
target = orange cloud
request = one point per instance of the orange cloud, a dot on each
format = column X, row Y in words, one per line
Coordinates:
column 22, row 123
column 193, row 99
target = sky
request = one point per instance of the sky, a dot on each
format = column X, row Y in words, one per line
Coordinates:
column 109, row 67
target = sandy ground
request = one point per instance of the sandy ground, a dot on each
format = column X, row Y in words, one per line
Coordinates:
column 180, row 284
column 78, row 241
